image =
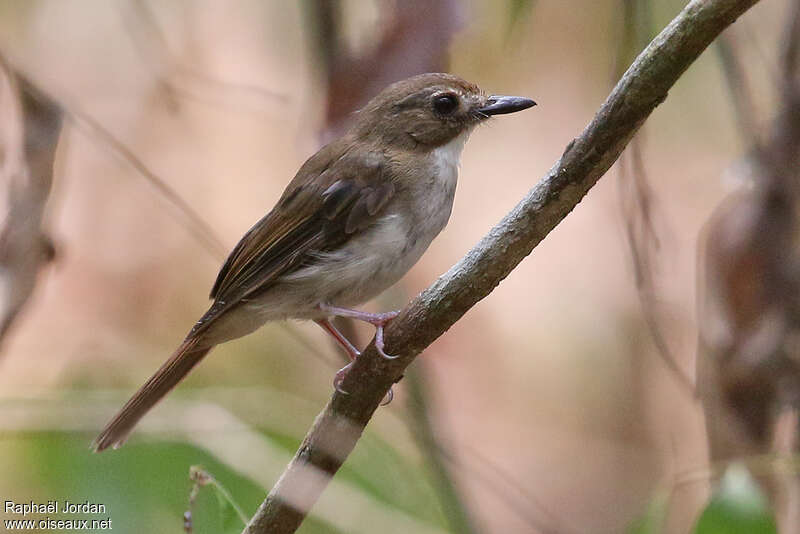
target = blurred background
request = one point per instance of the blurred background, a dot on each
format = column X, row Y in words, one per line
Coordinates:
column 561, row 403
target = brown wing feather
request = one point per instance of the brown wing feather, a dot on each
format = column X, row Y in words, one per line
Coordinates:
column 317, row 212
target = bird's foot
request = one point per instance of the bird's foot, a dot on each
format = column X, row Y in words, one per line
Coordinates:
column 339, row 378
column 378, row 320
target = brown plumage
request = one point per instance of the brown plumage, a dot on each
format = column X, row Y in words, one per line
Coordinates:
column 357, row 215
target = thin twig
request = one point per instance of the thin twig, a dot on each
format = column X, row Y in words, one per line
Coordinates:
column 337, row 429
column 197, row 225
column 91, row 127
column 527, row 506
column 456, row 512
column 740, row 91
column 790, row 55
column 151, row 44
column 642, row 242
column 637, row 200
column 201, row 478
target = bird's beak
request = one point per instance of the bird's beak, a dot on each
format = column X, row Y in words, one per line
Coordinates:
column 499, row 105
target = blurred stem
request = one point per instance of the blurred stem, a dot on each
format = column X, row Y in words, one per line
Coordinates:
column 739, row 89
column 151, row 44
column 519, row 11
column 791, row 50
column 30, row 125
column 202, row 478
column 191, row 219
column 637, row 30
column 416, row 382
column 323, row 18
column 637, row 199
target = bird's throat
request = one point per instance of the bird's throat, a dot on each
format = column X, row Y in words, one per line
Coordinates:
column 448, row 156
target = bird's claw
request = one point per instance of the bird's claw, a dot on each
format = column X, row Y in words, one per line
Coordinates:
column 339, row 378
column 379, row 344
column 378, row 320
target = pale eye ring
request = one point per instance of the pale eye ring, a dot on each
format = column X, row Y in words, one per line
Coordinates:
column 445, row 103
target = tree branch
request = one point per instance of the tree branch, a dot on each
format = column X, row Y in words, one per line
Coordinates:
column 337, row 429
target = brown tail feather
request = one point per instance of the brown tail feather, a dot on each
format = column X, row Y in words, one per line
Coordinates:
column 166, row 378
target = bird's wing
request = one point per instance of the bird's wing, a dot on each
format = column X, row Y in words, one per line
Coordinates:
column 325, row 205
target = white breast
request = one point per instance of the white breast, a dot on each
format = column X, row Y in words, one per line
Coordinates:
column 436, row 192
column 447, row 157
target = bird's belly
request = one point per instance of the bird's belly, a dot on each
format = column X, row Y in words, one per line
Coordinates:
column 371, row 261
column 382, row 255
column 366, row 266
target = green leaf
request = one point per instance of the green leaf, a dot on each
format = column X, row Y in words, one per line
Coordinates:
column 231, row 516
column 737, row 507
column 227, row 513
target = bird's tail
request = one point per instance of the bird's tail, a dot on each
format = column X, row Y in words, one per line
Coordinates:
column 167, row 377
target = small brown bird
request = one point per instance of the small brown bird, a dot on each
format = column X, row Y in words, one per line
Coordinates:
column 355, row 218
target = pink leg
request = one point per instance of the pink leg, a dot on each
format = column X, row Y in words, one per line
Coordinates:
column 351, row 351
column 348, row 347
column 375, row 319
column 378, row 320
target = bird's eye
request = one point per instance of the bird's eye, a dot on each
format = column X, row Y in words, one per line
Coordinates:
column 445, row 104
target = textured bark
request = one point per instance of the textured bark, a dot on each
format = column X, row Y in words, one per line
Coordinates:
column 337, row 429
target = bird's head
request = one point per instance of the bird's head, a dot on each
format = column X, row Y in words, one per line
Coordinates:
column 430, row 110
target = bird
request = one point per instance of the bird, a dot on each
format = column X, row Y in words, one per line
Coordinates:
column 355, row 218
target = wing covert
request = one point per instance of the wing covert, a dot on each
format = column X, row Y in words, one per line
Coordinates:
column 315, row 214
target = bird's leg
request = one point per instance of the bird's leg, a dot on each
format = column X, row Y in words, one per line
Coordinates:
column 378, row 320
column 348, row 347
column 351, row 351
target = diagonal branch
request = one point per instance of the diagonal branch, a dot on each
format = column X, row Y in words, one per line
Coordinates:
column 337, row 429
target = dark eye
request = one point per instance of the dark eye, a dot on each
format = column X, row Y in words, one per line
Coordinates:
column 445, row 104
